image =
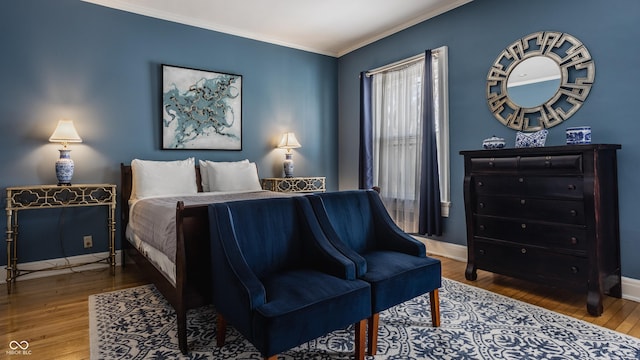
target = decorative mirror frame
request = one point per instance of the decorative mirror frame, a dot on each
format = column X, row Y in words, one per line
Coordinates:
column 574, row 60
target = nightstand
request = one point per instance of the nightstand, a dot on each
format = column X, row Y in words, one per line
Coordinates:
column 295, row 184
column 34, row 197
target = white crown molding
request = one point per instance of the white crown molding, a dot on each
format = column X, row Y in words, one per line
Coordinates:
column 164, row 15
column 145, row 11
column 441, row 10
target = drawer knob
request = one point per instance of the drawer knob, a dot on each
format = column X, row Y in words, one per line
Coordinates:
column 492, row 164
column 480, row 183
column 481, row 205
column 520, row 180
column 481, row 252
column 574, row 240
column 573, row 213
column 574, row 269
column 547, row 164
column 524, row 226
column 523, row 201
column 523, row 250
column 571, row 187
column 481, row 227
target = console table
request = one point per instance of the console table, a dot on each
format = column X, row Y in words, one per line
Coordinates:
column 295, row 184
column 547, row 214
column 53, row 196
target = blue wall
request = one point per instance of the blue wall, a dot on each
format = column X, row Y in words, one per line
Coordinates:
column 101, row 68
column 476, row 33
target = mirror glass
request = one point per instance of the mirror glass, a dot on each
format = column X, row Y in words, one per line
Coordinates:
column 533, row 81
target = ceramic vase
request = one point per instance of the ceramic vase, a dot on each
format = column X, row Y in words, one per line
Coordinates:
column 288, row 165
column 64, row 167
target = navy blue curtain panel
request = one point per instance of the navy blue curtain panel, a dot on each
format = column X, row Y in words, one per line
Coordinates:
column 430, row 213
column 365, row 171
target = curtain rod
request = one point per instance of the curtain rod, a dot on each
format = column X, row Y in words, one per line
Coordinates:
column 400, row 63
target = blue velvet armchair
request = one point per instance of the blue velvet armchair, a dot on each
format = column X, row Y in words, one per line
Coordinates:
column 394, row 263
column 278, row 280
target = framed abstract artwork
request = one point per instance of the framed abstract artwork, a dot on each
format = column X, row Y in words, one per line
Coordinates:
column 201, row 109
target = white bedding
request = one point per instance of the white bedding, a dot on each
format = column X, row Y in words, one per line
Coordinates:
column 152, row 223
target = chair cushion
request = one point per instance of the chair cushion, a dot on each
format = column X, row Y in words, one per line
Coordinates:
column 397, row 277
column 305, row 304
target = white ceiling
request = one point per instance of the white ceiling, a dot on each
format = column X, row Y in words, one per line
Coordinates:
column 534, row 69
column 329, row 27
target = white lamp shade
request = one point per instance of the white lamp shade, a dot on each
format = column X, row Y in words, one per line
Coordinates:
column 289, row 141
column 65, row 132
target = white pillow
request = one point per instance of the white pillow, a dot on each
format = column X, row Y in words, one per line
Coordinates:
column 233, row 177
column 205, row 165
column 153, row 178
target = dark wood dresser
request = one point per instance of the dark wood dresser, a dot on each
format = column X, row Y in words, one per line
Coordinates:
column 546, row 214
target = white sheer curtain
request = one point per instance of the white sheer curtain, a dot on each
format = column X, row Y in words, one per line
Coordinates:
column 397, row 137
column 397, row 129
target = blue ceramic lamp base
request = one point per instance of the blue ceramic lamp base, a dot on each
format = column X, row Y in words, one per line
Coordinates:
column 64, row 168
column 288, row 165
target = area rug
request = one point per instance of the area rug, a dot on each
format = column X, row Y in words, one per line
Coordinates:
column 138, row 323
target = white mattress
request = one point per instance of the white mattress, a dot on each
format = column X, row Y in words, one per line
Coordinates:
column 155, row 256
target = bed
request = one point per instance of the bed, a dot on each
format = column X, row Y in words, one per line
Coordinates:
column 167, row 235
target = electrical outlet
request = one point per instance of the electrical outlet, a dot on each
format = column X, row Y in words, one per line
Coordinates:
column 88, row 241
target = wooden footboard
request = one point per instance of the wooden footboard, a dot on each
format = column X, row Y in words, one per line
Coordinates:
column 193, row 268
column 192, row 288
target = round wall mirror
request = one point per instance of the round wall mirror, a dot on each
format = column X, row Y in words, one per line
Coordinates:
column 539, row 81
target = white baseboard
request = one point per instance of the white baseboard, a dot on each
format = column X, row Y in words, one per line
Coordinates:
column 630, row 286
column 631, row 289
column 79, row 259
column 441, row 248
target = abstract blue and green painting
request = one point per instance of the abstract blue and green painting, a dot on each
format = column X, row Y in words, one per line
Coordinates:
column 201, row 109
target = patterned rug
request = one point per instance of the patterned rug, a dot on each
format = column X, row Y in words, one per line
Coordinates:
column 138, row 323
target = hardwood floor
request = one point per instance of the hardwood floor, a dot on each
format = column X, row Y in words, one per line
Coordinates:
column 619, row 314
column 52, row 313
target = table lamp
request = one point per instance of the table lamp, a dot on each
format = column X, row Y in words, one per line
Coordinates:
column 288, row 142
column 65, row 133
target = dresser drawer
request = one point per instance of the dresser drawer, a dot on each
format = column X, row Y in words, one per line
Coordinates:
column 542, row 186
column 553, row 210
column 494, row 164
column 532, row 263
column 570, row 238
column 571, row 164
column 566, row 163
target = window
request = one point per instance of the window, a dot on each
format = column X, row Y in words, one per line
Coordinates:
column 397, row 135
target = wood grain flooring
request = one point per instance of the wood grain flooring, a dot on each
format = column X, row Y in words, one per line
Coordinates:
column 52, row 313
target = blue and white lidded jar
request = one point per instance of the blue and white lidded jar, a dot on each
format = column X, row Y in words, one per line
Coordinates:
column 493, row 142
column 579, row 135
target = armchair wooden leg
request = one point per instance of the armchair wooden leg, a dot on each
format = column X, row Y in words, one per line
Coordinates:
column 272, row 357
column 372, row 335
column 221, row 330
column 360, row 339
column 434, row 299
